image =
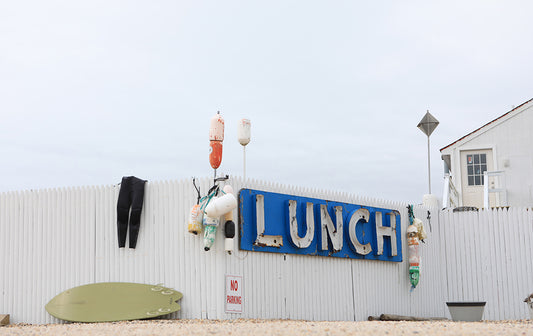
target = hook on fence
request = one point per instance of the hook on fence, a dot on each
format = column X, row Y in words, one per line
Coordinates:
column 429, row 220
column 197, row 190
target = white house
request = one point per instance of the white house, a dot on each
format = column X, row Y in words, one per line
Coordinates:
column 493, row 165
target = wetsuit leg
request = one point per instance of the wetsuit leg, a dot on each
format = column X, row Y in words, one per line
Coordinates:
column 137, row 188
column 123, row 210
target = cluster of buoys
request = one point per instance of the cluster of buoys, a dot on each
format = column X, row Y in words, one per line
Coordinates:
column 220, row 206
column 205, row 215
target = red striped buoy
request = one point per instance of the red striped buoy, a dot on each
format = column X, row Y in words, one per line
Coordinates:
column 216, row 136
column 215, row 153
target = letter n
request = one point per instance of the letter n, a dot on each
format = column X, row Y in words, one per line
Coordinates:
column 328, row 229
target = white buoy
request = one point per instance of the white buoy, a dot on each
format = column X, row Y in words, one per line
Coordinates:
column 244, row 131
column 216, row 128
column 243, row 135
column 228, row 244
column 221, row 205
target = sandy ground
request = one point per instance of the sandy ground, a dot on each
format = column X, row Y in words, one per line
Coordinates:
column 274, row 327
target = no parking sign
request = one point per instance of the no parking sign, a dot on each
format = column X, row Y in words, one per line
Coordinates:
column 234, row 299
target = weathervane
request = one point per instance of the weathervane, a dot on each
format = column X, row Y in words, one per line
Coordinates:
column 428, row 125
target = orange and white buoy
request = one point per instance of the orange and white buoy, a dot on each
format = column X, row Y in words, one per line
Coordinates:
column 196, row 219
column 215, row 153
column 216, row 136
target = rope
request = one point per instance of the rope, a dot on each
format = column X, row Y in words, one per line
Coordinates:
column 410, row 212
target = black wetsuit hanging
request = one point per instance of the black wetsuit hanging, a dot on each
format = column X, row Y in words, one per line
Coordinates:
column 131, row 194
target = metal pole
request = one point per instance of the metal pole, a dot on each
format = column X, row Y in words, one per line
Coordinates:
column 244, row 162
column 429, row 170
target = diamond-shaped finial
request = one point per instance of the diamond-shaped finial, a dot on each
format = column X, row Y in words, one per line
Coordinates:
column 428, row 124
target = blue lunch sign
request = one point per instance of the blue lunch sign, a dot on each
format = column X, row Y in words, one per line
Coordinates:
column 280, row 223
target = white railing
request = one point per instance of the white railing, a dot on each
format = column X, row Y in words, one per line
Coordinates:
column 450, row 197
column 501, row 191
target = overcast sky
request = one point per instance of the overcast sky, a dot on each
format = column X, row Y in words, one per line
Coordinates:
column 91, row 91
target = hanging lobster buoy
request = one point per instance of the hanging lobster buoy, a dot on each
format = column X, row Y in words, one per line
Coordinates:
column 216, row 136
column 414, row 256
column 229, row 226
column 216, row 128
column 243, row 131
column 196, row 215
column 229, row 232
column 221, row 205
column 196, row 219
column 210, row 231
column 243, row 135
column 215, row 153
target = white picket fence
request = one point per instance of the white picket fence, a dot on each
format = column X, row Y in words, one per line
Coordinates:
column 52, row 240
column 489, row 258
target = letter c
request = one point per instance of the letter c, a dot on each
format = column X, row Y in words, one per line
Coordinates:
column 358, row 215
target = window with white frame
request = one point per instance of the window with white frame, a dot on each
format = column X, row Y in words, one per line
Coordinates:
column 476, row 165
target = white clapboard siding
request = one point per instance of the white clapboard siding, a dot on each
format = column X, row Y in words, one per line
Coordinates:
column 52, row 240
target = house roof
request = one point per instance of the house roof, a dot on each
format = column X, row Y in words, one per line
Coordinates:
column 487, row 124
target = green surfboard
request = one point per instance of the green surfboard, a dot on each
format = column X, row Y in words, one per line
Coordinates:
column 113, row 301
